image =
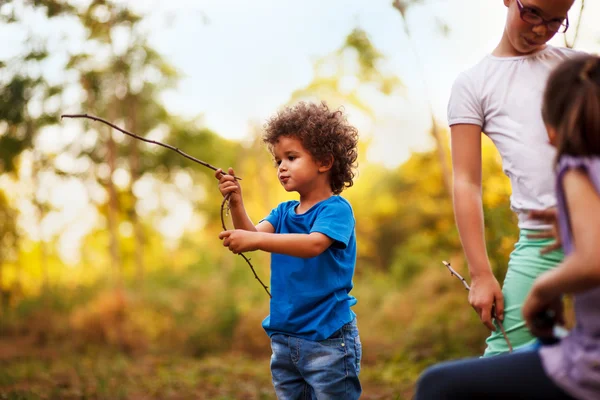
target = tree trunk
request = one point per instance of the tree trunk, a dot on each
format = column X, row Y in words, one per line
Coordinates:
column 113, row 212
column 401, row 6
column 134, row 167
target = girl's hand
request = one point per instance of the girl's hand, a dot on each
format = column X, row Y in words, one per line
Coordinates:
column 240, row 241
column 549, row 215
column 228, row 184
column 537, row 309
column 487, row 300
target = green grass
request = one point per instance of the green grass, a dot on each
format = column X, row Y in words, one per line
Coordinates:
column 105, row 374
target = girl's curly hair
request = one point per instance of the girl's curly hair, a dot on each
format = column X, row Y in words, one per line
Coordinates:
column 323, row 133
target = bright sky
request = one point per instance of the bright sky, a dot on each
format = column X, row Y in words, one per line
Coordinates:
column 242, row 59
column 250, row 55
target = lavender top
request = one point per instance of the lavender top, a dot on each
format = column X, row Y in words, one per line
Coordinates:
column 574, row 363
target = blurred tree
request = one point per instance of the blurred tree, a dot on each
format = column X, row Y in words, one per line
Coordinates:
column 342, row 77
column 403, row 6
column 125, row 87
column 576, row 28
column 8, row 243
column 28, row 100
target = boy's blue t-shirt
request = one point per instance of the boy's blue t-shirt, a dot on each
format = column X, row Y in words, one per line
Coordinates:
column 311, row 296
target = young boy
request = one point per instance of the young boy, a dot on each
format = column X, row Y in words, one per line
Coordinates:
column 313, row 331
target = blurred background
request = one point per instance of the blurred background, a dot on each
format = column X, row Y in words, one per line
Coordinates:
column 113, row 282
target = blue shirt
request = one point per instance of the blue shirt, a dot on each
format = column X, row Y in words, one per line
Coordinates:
column 311, row 296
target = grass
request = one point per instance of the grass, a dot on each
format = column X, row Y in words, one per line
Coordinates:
column 100, row 373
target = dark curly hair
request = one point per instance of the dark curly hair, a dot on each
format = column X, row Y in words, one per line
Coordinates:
column 323, row 133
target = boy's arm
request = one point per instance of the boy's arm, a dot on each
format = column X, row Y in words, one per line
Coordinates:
column 468, row 210
column 292, row 244
column 295, row 244
column 240, row 218
column 229, row 186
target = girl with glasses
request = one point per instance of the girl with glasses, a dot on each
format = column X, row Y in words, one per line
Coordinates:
column 569, row 369
column 501, row 96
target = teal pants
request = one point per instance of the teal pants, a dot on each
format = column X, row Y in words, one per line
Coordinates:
column 526, row 263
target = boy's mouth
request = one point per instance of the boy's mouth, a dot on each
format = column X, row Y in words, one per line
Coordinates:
column 284, row 179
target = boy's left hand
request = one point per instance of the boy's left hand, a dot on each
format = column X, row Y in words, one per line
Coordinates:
column 239, row 240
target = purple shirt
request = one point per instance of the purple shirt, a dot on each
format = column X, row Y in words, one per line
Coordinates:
column 574, row 363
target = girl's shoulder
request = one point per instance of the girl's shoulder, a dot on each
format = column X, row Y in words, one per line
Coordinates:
column 591, row 165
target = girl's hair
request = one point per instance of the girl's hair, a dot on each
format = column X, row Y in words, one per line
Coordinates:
column 572, row 106
column 324, row 133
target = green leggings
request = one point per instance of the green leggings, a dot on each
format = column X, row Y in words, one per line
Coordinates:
column 525, row 265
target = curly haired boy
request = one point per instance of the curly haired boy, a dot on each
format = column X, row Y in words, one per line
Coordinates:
column 314, row 335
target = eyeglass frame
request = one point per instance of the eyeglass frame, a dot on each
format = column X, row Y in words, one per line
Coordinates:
column 564, row 25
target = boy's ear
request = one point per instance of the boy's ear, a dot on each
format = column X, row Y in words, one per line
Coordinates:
column 326, row 164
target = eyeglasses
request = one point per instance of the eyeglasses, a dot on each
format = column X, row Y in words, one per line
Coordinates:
column 531, row 16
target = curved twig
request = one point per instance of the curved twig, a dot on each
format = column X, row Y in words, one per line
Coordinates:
column 223, row 207
column 464, row 282
column 168, row 146
column 133, row 135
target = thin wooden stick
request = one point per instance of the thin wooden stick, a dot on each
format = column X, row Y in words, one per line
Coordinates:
column 168, row 146
column 466, row 285
column 133, row 135
column 223, row 208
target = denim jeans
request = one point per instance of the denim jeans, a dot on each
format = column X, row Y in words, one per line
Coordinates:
column 325, row 370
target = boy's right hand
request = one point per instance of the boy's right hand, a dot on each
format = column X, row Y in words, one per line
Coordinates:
column 486, row 298
column 229, row 185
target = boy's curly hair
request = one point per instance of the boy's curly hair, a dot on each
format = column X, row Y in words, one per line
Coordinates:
column 323, row 133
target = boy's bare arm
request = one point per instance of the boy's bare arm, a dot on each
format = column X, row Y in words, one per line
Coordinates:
column 229, row 186
column 468, row 209
column 292, row 244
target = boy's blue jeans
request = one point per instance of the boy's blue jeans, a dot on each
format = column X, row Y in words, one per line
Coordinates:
column 326, row 370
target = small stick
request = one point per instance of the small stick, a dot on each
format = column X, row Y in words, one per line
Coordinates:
column 133, row 135
column 225, row 201
column 168, row 146
column 464, row 282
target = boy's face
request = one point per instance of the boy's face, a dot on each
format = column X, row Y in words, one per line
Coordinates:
column 527, row 37
column 297, row 170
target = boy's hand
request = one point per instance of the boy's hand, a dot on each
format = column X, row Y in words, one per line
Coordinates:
column 485, row 295
column 549, row 215
column 240, row 241
column 228, row 184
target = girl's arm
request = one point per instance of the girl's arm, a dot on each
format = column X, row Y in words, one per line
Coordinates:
column 580, row 271
column 292, row 244
column 468, row 210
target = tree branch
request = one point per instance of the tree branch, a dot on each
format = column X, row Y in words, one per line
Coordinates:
column 464, row 282
column 223, row 210
column 225, row 199
column 175, row 149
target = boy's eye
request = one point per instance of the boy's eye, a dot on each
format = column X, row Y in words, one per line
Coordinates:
column 291, row 158
column 277, row 162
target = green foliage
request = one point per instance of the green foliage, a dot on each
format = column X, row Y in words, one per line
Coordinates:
column 9, row 234
column 186, row 322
